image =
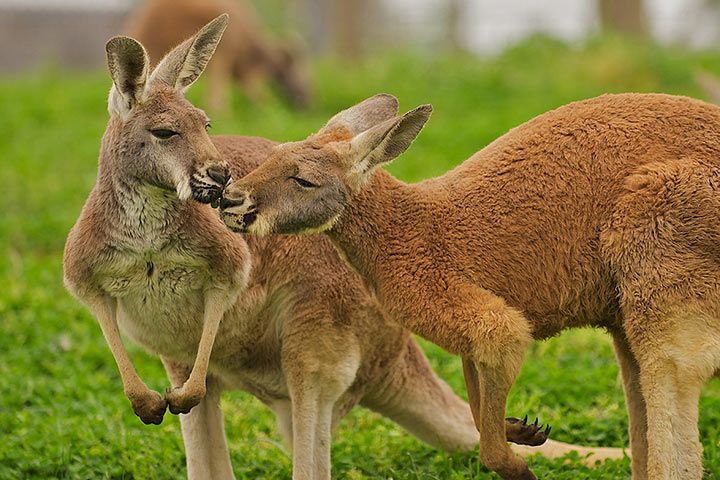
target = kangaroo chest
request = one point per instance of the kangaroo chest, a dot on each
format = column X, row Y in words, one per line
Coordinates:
column 152, row 275
column 160, row 306
column 159, row 297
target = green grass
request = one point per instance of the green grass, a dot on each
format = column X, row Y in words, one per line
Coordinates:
column 62, row 410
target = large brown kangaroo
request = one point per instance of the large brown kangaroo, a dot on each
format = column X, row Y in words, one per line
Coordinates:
column 603, row 212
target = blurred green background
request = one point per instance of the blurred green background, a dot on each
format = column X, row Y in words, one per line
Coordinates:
column 62, row 409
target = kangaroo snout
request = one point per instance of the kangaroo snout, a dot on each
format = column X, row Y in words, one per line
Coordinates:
column 238, row 210
column 207, row 184
column 227, row 202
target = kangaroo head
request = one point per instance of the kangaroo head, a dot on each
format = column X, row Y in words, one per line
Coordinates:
column 155, row 135
column 305, row 186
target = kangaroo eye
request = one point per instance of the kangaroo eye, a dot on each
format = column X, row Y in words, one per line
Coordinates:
column 304, row 183
column 163, row 133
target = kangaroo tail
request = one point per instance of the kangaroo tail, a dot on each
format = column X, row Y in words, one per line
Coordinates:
column 415, row 398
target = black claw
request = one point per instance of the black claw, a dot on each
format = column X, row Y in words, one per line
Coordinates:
column 536, row 422
column 525, row 420
column 547, row 430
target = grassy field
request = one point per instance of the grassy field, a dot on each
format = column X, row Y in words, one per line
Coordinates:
column 62, row 410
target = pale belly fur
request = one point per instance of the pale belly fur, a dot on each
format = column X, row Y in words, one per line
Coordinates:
column 161, row 309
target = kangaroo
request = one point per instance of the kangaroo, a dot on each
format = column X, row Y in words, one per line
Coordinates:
column 246, row 54
column 602, row 212
column 282, row 318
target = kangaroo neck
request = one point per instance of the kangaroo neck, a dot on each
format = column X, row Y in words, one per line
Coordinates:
column 370, row 229
column 135, row 211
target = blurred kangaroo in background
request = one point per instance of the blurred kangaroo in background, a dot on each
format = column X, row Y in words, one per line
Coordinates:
column 246, row 54
column 282, row 318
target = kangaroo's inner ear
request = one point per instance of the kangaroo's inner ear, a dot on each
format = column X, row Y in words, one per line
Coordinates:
column 384, row 142
column 128, row 65
column 364, row 115
column 184, row 64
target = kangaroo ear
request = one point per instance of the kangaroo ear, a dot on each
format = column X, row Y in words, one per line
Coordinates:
column 128, row 65
column 384, row 142
column 364, row 115
column 184, row 64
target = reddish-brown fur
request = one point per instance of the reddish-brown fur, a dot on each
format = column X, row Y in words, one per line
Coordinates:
column 603, row 212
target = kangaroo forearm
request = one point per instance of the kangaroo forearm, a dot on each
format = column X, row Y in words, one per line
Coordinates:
column 183, row 399
column 147, row 404
column 104, row 310
column 211, row 323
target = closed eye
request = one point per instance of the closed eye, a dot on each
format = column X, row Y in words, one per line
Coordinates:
column 163, row 133
column 304, row 183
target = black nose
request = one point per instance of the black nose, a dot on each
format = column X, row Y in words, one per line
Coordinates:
column 219, row 174
column 231, row 202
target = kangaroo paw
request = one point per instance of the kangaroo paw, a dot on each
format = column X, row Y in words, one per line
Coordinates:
column 524, row 433
column 149, row 406
column 183, row 399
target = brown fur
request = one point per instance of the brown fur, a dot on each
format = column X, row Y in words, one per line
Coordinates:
column 602, row 212
column 245, row 55
column 282, row 318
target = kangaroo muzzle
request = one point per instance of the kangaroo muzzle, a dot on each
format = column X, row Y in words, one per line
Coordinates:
column 238, row 211
column 219, row 174
column 207, row 184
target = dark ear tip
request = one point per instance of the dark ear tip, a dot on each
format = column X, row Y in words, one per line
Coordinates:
column 113, row 43
column 423, row 110
column 221, row 20
column 121, row 42
column 215, row 26
column 386, row 96
column 390, row 99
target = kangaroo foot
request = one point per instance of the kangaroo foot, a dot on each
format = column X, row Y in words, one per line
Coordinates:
column 523, row 433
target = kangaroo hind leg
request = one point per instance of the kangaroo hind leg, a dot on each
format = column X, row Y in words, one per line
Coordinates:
column 674, row 365
column 203, row 432
column 663, row 245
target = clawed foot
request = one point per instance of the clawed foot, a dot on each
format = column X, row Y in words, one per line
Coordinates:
column 150, row 407
column 182, row 399
column 523, row 433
